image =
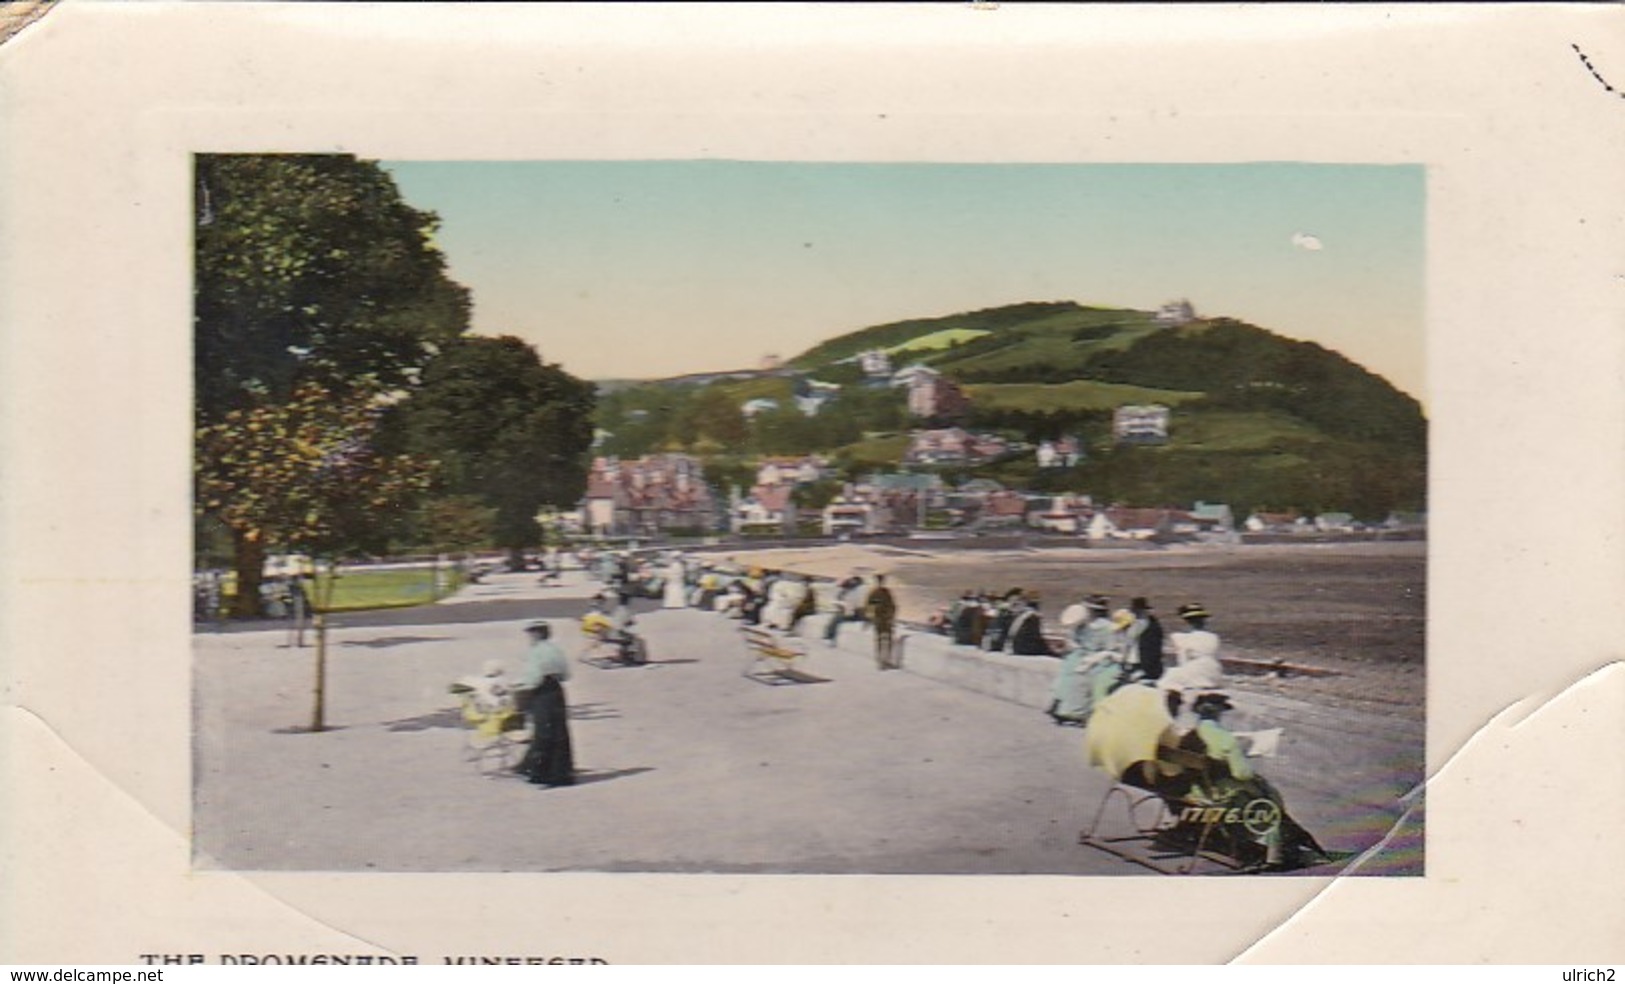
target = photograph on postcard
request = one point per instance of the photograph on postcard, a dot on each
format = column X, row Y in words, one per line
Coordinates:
column 734, row 516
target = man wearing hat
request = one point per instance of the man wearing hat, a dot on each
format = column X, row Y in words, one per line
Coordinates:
column 1145, row 640
column 549, row 761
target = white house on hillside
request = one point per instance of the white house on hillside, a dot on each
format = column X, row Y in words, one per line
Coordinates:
column 1135, row 424
column 875, row 363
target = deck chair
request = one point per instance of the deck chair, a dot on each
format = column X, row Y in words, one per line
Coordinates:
column 1165, row 822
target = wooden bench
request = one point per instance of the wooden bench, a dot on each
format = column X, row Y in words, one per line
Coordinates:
column 779, row 652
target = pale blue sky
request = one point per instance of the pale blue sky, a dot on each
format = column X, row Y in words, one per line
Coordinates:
column 640, row 269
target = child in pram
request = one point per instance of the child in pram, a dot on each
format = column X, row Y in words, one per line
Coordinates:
column 489, row 704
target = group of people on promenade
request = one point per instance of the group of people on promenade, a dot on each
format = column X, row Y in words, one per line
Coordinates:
column 1120, row 675
column 1107, row 649
column 1119, row 670
column 773, row 599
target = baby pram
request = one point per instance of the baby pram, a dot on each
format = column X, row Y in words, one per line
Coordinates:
column 497, row 734
column 1179, row 806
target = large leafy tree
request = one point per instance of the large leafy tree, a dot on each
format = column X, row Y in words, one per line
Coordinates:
column 311, row 268
column 313, row 276
column 507, row 427
column 303, row 474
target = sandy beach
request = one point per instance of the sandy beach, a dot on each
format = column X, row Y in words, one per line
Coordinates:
column 1357, row 610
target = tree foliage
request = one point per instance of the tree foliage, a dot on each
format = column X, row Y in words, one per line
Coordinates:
column 303, row 475
column 311, row 268
column 456, row 524
column 507, row 427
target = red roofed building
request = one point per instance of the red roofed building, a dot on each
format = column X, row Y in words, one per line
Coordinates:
column 647, row 496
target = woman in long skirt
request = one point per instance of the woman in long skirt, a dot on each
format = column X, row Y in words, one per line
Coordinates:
column 550, row 761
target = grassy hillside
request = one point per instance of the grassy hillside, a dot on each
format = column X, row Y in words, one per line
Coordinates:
column 938, row 341
column 899, row 333
column 1258, row 420
column 1078, row 394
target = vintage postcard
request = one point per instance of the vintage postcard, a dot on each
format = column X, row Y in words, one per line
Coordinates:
column 988, row 472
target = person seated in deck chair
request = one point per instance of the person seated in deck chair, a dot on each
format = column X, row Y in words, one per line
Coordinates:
column 1266, row 833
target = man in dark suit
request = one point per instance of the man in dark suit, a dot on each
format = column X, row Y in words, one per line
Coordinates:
column 1147, row 635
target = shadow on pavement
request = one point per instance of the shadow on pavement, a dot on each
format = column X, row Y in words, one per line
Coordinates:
column 305, row 730
column 781, row 677
column 584, row 776
column 387, row 641
column 592, row 712
column 444, row 718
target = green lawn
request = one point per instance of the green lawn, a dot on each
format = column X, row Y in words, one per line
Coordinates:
column 359, row 590
column 362, row 589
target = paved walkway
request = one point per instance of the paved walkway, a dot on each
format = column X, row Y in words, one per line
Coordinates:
column 687, row 765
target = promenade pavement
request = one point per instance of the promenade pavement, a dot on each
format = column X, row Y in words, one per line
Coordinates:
column 688, row 766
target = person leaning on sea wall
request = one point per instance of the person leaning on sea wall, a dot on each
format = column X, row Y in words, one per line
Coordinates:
column 849, row 605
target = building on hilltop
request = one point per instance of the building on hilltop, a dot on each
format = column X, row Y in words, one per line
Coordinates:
column 1135, row 424
column 1175, row 313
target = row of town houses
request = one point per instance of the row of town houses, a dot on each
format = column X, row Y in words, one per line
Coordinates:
column 667, row 494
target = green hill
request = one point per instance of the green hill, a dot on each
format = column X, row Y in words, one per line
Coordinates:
column 1256, row 419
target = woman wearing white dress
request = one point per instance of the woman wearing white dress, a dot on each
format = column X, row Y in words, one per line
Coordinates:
column 676, row 587
column 1196, row 656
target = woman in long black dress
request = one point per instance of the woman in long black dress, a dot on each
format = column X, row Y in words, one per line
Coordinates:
column 549, row 762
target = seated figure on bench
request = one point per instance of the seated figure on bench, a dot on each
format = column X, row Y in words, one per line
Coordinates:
column 1215, row 797
column 1266, row 834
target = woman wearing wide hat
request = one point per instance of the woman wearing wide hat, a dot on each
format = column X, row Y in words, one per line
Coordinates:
column 1196, row 655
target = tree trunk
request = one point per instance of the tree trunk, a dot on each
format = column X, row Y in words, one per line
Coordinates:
column 248, row 549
